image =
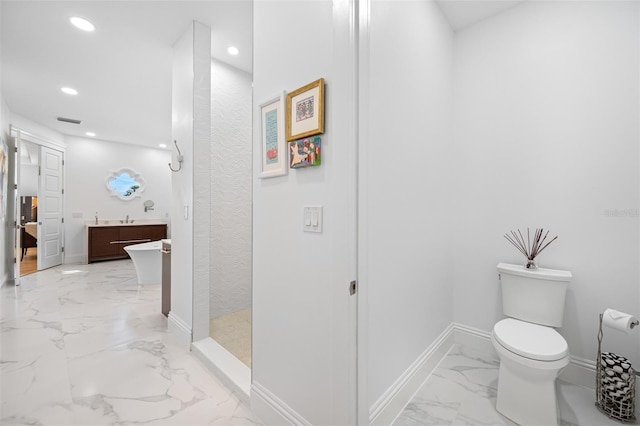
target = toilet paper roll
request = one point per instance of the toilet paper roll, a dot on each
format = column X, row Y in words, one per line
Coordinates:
column 619, row 320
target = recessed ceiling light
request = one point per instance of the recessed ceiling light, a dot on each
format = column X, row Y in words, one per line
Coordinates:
column 81, row 23
column 233, row 51
column 69, row 90
column 90, row 134
column 162, row 145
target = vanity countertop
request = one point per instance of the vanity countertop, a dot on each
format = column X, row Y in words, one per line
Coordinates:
column 117, row 222
column 166, row 241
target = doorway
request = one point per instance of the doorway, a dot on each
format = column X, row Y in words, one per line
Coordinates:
column 39, row 204
column 28, row 234
column 28, row 207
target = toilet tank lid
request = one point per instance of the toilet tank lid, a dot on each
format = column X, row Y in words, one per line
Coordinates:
column 530, row 340
column 540, row 273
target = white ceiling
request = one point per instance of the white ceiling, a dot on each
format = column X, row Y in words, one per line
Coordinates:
column 122, row 71
column 463, row 13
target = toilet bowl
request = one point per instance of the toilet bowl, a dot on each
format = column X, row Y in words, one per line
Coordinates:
column 147, row 260
column 532, row 353
column 531, row 358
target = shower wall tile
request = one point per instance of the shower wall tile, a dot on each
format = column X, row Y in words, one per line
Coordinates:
column 231, row 178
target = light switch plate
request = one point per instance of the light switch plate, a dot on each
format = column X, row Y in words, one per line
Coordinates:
column 312, row 219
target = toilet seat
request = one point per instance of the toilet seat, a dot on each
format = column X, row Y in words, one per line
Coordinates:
column 531, row 341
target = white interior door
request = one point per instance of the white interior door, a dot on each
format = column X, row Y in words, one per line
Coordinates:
column 50, row 208
column 16, row 212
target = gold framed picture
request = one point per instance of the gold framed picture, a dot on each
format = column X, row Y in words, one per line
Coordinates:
column 305, row 111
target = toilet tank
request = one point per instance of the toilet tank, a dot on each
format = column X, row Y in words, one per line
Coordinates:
column 535, row 296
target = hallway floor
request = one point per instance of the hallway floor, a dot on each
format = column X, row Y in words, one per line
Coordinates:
column 29, row 263
column 83, row 345
column 462, row 391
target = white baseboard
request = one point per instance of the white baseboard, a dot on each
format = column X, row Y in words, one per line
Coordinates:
column 180, row 329
column 271, row 410
column 75, row 259
column 392, row 402
column 226, row 367
column 477, row 339
column 579, row 372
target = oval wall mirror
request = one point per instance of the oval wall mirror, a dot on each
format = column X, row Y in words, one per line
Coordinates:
column 125, row 184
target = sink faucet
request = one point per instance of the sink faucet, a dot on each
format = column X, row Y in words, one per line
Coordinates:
column 127, row 219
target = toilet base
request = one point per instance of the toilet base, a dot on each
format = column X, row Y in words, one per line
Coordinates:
column 526, row 399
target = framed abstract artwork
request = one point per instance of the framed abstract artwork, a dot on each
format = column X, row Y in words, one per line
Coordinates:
column 305, row 111
column 272, row 143
column 305, row 152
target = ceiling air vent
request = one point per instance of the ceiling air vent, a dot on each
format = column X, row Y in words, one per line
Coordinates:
column 69, row 120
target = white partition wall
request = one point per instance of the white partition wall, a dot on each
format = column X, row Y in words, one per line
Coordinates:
column 191, row 129
column 301, row 363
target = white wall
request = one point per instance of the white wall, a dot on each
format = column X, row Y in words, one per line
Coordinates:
column 546, row 135
column 300, row 280
column 231, row 95
column 88, row 162
column 408, row 186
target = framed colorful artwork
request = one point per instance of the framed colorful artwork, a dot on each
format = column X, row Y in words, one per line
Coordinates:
column 305, row 152
column 305, row 111
column 274, row 151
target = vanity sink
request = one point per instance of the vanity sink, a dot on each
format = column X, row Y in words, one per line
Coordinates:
column 118, row 222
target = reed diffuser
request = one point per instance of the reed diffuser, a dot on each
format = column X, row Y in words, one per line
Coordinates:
column 531, row 247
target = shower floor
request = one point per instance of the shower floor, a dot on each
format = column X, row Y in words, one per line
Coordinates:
column 233, row 332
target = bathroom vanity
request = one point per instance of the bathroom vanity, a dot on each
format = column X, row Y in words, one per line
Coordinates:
column 106, row 241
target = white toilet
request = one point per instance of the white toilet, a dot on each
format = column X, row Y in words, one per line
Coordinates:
column 531, row 352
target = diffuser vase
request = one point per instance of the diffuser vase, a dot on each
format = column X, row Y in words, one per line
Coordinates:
column 529, row 247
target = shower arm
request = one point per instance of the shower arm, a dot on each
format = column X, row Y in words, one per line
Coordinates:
column 180, row 158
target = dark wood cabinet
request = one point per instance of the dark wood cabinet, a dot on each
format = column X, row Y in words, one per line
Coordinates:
column 100, row 246
column 108, row 242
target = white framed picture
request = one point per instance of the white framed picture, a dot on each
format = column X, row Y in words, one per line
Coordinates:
column 272, row 140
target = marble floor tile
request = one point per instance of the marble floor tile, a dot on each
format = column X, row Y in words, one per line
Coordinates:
column 85, row 345
column 462, row 391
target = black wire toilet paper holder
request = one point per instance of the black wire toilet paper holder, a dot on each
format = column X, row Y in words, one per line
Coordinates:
column 615, row 388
